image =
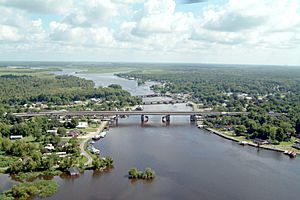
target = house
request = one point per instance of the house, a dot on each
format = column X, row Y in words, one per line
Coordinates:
column 62, row 144
column 49, row 147
column 260, row 141
column 53, row 132
column 73, row 171
column 74, row 133
column 16, row 137
column 229, row 127
column 82, row 125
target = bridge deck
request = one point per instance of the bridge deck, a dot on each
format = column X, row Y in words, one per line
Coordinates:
column 112, row 113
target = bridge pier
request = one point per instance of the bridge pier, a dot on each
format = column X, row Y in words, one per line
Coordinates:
column 192, row 118
column 144, row 118
column 166, row 119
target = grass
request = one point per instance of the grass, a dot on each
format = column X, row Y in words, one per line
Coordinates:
column 90, row 130
column 35, row 175
column 82, row 160
column 27, row 71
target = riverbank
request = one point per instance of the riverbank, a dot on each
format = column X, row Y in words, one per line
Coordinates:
column 250, row 143
column 88, row 137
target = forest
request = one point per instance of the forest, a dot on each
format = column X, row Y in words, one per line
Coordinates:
column 59, row 90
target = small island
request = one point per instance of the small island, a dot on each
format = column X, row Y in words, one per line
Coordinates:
column 148, row 174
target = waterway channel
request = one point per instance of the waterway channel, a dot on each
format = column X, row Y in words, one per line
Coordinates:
column 189, row 163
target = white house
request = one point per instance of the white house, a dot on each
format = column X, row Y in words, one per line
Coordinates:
column 82, row 125
column 54, row 131
column 49, row 147
column 16, row 137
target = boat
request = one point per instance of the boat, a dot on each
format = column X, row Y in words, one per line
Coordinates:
column 102, row 134
column 139, row 108
column 243, row 143
column 96, row 151
column 91, row 142
column 291, row 154
column 96, row 137
column 93, row 150
column 200, row 126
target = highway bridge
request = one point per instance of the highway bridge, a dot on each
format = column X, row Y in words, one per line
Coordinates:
column 128, row 113
column 144, row 114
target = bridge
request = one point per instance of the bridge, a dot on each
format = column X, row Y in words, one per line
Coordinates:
column 163, row 102
column 144, row 114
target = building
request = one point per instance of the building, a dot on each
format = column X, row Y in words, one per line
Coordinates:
column 16, row 137
column 73, row 171
column 49, row 147
column 82, row 125
column 74, row 133
column 62, row 144
column 53, row 132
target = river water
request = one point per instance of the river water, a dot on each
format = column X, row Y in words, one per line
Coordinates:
column 189, row 163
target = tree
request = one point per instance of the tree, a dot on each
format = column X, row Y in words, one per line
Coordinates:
column 241, row 129
column 115, row 86
column 97, row 163
column 133, row 173
column 4, row 130
column 61, row 131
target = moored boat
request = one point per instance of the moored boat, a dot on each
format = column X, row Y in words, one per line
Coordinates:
column 102, row 134
column 243, row 143
column 291, row 154
column 96, row 137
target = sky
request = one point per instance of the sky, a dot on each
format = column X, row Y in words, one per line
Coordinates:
column 184, row 31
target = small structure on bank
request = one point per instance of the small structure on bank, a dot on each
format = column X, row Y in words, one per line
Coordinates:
column 73, row 171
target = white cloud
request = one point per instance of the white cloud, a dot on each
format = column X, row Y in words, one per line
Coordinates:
column 91, row 12
column 39, row 6
column 254, row 28
column 77, row 36
column 16, row 27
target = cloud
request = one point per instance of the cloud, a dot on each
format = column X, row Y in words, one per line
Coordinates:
column 157, row 27
column 160, row 17
column 79, row 36
column 39, row 6
column 232, row 21
column 15, row 27
column 91, row 12
column 193, row 1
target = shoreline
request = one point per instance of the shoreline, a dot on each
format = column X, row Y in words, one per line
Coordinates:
column 87, row 138
column 223, row 135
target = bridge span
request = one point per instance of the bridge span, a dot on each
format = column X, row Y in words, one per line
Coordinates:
column 128, row 113
column 144, row 114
